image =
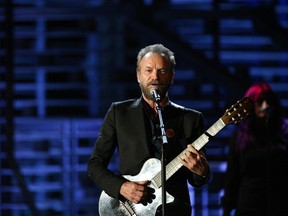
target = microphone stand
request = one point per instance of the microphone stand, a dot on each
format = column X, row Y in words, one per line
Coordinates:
column 163, row 164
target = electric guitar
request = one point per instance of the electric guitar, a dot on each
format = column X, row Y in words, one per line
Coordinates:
column 151, row 169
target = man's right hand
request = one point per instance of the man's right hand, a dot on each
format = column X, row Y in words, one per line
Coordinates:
column 138, row 192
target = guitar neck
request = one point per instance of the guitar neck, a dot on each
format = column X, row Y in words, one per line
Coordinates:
column 175, row 164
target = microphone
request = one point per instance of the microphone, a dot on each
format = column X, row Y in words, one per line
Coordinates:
column 155, row 95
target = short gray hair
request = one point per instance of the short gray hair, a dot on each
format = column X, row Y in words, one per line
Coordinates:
column 157, row 48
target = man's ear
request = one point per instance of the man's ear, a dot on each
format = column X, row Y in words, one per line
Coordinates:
column 172, row 79
column 138, row 80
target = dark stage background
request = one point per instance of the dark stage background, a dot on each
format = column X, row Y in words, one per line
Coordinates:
column 64, row 61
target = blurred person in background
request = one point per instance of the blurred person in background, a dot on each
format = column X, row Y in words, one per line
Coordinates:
column 256, row 179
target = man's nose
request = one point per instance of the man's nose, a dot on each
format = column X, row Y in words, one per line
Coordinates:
column 154, row 75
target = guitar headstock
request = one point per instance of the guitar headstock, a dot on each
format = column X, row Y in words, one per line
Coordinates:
column 238, row 111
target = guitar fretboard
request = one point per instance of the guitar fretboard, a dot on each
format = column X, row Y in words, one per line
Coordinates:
column 175, row 164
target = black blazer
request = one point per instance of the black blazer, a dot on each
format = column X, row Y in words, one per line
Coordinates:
column 124, row 128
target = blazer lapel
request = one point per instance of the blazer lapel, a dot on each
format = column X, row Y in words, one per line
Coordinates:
column 136, row 114
column 173, row 118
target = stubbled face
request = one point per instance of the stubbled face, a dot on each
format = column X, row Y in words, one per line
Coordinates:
column 154, row 72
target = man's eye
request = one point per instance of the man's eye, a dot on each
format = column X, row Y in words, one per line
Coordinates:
column 163, row 71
